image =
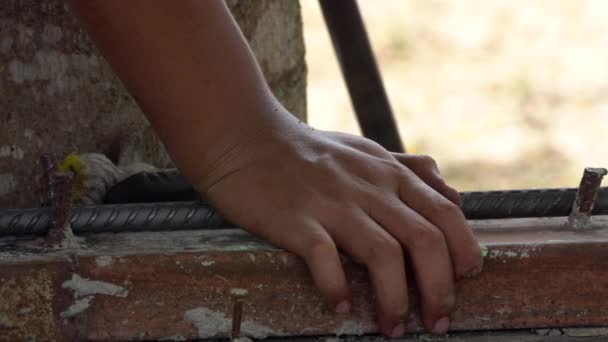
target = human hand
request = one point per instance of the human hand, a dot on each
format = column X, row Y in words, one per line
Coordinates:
column 314, row 193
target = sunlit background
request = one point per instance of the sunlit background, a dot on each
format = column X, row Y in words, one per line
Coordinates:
column 502, row 93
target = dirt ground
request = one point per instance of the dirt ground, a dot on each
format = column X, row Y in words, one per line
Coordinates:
column 503, row 93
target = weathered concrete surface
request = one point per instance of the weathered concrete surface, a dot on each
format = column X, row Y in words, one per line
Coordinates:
column 58, row 95
column 180, row 284
column 30, row 298
column 497, row 336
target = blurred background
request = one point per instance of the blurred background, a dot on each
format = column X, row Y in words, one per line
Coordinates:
column 502, row 93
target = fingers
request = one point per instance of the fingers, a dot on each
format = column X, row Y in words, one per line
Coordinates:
column 363, row 239
column 445, row 215
column 426, row 169
column 427, row 249
column 311, row 241
column 324, row 263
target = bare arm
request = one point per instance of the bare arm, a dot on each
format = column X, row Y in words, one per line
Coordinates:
column 311, row 192
column 189, row 68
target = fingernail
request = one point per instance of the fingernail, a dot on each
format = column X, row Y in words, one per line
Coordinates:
column 398, row 330
column 343, row 307
column 441, row 326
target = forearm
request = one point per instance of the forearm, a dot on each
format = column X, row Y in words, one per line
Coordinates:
column 189, row 68
column 311, row 192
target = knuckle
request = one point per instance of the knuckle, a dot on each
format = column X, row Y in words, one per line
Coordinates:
column 394, row 168
column 383, row 248
column 428, row 161
column 320, row 247
column 427, row 237
column 446, row 209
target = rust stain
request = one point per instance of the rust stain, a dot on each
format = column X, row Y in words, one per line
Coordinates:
column 26, row 308
column 183, row 284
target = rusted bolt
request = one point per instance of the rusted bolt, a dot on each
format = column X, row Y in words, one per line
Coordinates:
column 237, row 312
column 48, row 165
column 580, row 216
column 60, row 195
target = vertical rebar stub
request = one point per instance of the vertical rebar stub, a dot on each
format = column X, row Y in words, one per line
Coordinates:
column 48, row 165
column 237, row 312
column 60, row 196
column 580, row 216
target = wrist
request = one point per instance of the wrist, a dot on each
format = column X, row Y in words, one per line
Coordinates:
column 243, row 142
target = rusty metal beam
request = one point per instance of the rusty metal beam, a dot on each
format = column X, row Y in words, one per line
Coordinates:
column 182, row 284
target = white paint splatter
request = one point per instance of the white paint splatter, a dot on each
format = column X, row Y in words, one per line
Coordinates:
column 212, row 323
column 484, row 250
column 238, row 292
column 352, row 328
column 79, row 306
column 207, row 263
column 520, row 253
column 504, row 311
column 104, row 261
column 251, row 257
column 84, row 287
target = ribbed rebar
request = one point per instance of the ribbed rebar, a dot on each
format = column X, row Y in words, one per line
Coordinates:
column 197, row 215
column 115, row 218
column 481, row 205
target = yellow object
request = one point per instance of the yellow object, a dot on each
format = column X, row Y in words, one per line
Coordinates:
column 72, row 163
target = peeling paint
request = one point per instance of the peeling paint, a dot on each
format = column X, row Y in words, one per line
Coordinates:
column 238, row 292
column 104, row 261
column 79, row 306
column 84, row 287
column 37, row 318
column 251, row 257
column 352, row 328
column 214, row 324
column 521, row 253
column 484, row 250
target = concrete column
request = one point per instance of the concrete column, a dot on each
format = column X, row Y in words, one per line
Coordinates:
column 57, row 94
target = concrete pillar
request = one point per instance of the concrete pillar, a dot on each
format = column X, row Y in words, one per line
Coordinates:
column 57, row 94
